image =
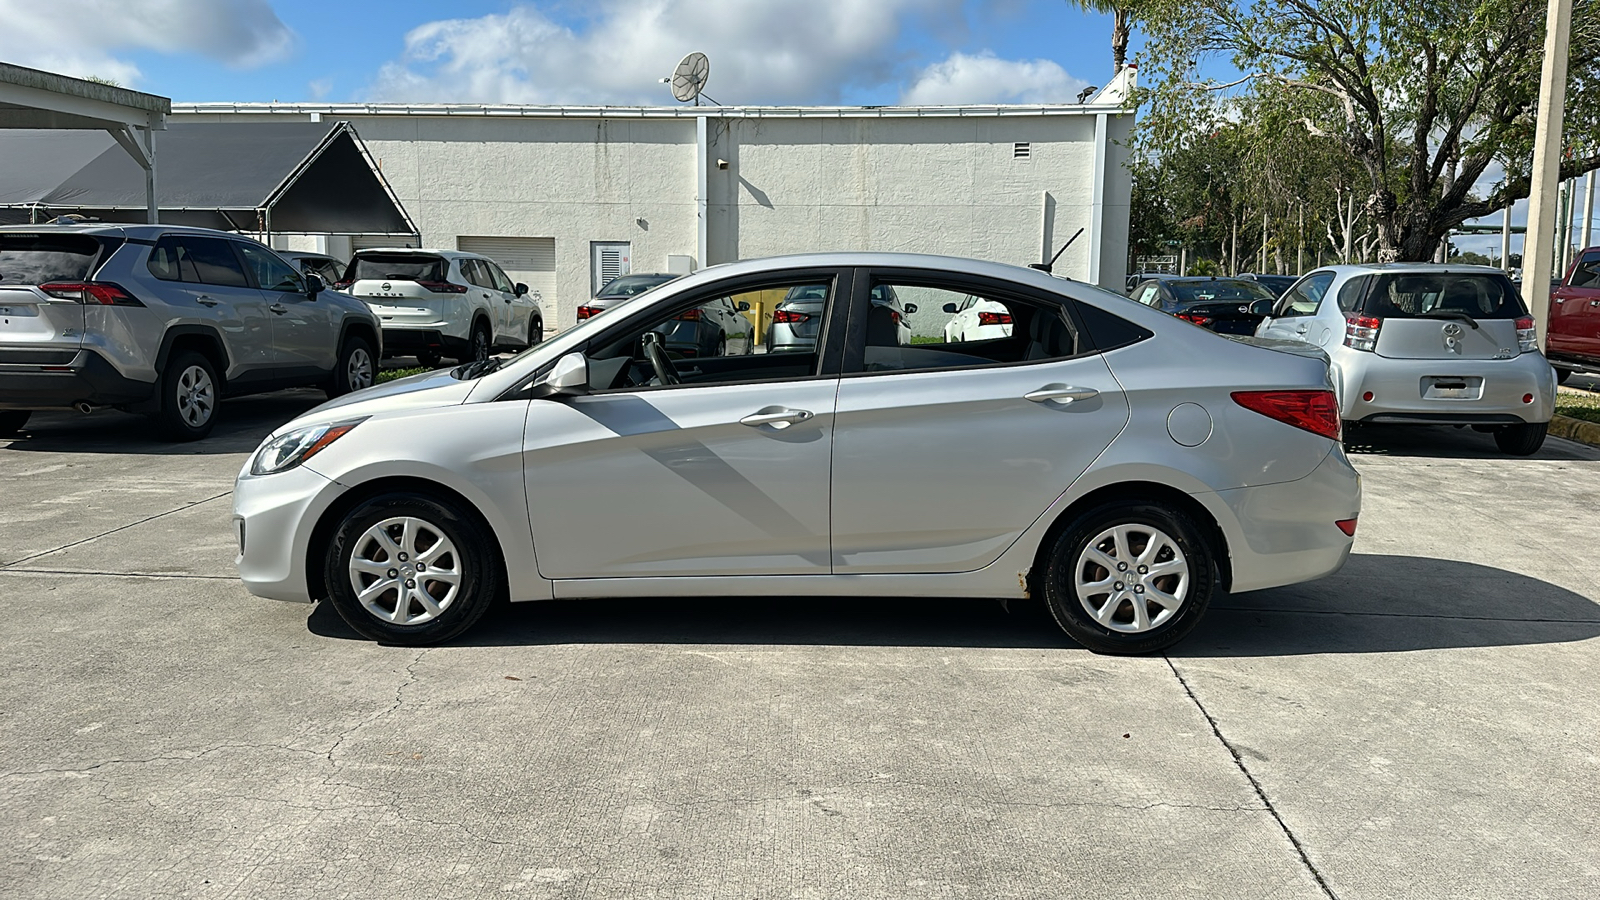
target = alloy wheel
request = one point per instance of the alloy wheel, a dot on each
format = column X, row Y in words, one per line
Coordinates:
column 1132, row 578
column 358, row 372
column 196, row 396
column 405, row 571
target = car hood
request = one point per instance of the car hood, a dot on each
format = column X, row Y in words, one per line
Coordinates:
column 437, row 388
column 1294, row 348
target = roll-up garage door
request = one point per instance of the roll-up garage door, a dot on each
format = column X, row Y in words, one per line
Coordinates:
column 531, row 261
column 370, row 241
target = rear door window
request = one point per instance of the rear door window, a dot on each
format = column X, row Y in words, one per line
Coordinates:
column 1424, row 295
column 41, row 259
column 197, row 260
column 1586, row 274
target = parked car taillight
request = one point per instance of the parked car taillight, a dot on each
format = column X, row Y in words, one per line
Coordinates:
column 1361, row 332
column 1527, row 335
column 787, row 315
column 102, row 292
column 443, row 287
column 994, row 318
column 690, row 315
column 1196, row 318
column 1316, row 411
column 342, row 285
column 585, row 312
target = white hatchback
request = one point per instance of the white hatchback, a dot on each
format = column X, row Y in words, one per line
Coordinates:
column 438, row 303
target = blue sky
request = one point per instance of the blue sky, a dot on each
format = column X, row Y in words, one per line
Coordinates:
column 559, row 51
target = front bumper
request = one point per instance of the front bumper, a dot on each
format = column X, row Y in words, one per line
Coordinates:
column 273, row 518
column 59, row 378
column 1285, row 533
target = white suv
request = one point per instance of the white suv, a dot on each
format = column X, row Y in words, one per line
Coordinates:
column 437, row 303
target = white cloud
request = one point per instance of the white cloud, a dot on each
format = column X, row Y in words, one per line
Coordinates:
column 84, row 37
column 985, row 78
column 774, row 52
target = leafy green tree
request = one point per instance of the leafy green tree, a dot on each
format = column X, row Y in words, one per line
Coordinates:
column 1422, row 99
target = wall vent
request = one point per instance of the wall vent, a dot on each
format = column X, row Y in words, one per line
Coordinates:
column 1021, row 150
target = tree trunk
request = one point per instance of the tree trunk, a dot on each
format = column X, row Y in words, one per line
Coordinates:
column 1119, row 39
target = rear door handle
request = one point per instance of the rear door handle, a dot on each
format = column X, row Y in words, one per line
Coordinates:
column 1060, row 392
column 278, row 308
column 776, row 416
column 203, row 300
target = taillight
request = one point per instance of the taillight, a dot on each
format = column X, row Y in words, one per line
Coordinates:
column 1196, row 318
column 994, row 318
column 785, row 315
column 585, row 312
column 1314, row 411
column 102, row 292
column 1527, row 335
column 443, row 287
column 1348, row 526
column 342, row 285
column 1361, row 332
column 690, row 315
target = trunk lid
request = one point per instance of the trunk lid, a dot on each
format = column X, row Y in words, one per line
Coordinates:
column 404, row 287
column 28, row 315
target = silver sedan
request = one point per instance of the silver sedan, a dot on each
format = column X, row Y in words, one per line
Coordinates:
column 1122, row 465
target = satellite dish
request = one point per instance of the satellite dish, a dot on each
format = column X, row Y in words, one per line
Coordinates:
column 689, row 79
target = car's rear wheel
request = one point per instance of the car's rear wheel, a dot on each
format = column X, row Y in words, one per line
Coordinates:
column 355, row 369
column 410, row 569
column 1521, row 440
column 1130, row 577
column 12, row 420
column 480, row 344
column 190, row 390
column 535, row 332
column 428, row 359
column 1562, row 374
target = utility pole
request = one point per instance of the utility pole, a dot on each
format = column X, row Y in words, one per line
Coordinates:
column 1546, row 162
column 1263, row 242
column 1505, row 238
column 1588, row 208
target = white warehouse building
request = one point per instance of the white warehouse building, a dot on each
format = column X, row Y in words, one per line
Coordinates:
column 564, row 198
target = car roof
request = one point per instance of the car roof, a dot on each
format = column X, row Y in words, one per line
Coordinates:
column 447, row 254
column 1397, row 267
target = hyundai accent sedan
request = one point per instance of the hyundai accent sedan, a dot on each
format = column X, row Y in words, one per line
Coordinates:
column 1117, row 463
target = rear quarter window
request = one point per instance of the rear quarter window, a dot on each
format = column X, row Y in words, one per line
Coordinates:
column 40, row 259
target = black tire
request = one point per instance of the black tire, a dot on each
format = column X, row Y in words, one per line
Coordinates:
column 479, row 344
column 429, row 359
column 722, row 346
column 1170, row 625
column 535, row 332
column 1521, row 440
column 188, row 400
column 1562, row 375
column 355, row 369
column 477, row 571
column 12, row 420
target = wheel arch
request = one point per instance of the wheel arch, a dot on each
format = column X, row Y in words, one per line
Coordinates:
column 362, row 328
column 200, row 338
column 322, row 533
column 1129, row 491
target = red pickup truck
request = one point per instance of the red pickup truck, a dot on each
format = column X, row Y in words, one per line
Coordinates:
column 1573, row 342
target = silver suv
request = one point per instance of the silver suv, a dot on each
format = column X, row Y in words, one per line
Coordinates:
column 1420, row 344
column 166, row 321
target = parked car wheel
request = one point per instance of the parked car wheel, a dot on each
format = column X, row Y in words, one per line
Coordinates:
column 355, row 369
column 12, row 420
column 481, row 344
column 410, row 569
column 535, row 332
column 190, row 390
column 1130, row 577
column 428, row 359
column 1562, row 374
column 1521, row 440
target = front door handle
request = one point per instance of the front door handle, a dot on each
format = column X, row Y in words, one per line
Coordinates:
column 203, row 300
column 278, row 308
column 1060, row 392
column 776, row 416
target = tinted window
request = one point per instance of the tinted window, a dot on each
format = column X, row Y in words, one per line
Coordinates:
column 1413, row 295
column 396, row 267
column 40, row 259
column 1587, row 273
column 1350, row 295
column 1225, row 291
column 1305, row 297
column 632, row 285
column 272, row 273
column 911, row 326
column 197, row 260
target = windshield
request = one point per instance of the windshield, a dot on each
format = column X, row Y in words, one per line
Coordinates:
column 41, row 259
column 632, row 285
column 1223, row 291
column 1413, row 295
column 396, row 267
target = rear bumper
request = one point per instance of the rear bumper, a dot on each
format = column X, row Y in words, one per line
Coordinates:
column 58, row 379
column 1286, row 533
column 410, row 341
column 1396, row 386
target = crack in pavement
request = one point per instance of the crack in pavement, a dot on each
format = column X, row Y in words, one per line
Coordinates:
column 80, row 770
column 1255, row 784
column 114, row 530
column 399, row 698
column 7, row 570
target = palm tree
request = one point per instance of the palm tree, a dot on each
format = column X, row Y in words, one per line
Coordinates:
column 1121, row 24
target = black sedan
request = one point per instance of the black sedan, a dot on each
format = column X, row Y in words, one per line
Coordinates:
column 1224, row 305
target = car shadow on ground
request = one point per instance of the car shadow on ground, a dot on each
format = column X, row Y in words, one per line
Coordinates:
column 1448, row 442
column 242, row 423
column 1376, row 604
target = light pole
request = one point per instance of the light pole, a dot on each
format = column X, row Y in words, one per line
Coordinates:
column 1536, row 261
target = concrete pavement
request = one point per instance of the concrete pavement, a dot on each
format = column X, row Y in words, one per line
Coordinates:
column 1422, row 724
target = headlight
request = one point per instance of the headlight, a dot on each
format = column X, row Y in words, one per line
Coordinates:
column 294, row 447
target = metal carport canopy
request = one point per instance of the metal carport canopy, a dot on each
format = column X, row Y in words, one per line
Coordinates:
column 33, row 99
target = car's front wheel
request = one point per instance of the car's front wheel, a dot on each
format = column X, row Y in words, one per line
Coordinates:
column 1130, row 577
column 1521, row 440
column 12, row 420
column 535, row 332
column 410, row 569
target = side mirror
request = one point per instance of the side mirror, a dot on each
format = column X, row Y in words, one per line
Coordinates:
column 744, row 306
column 314, row 285
column 1261, row 308
column 950, row 308
column 910, row 308
column 522, row 289
column 567, row 378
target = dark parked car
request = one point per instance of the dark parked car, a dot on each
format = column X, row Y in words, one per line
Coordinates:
column 621, row 288
column 1277, row 284
column 1573, row 338
column 1224, row 305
